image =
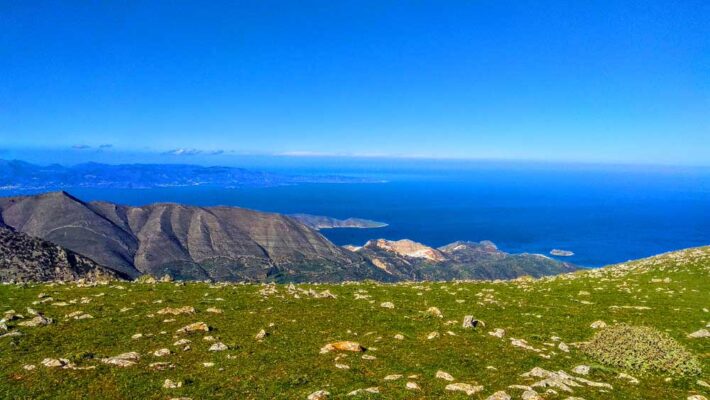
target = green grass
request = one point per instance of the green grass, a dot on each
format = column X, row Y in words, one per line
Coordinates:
column 287, row 363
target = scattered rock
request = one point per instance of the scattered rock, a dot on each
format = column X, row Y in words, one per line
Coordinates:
column 598, row 324
column 432, row 335
column 123, row 360
column 463, row 387
column 194, row 327
column 39, row 320
column 162, row 352
column 387, row 304
column 498, row 332
column 581, row 370
column 170, row 384
column 393, row 377
column 261, row 335
column 702, row 333
column 319, row 395
column 522, row 343
column 560, row 380
column 177, row 311
column 160, row 366
column 399, row 336
column 214, row 310
column 444, row 375
column 371, row 390
column 563, row 347
column 530, row 395
column 343, row 345
column 219, row 346
column 412, row 386
column 499, row 395
column 54, row 362
column 470, row 322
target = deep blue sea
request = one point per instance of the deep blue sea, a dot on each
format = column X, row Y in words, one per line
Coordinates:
column 603, row 215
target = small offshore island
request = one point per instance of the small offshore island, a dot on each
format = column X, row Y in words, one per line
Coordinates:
column 561, row 253
column 318, row 222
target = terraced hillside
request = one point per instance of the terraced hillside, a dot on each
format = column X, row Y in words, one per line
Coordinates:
column 482, row 340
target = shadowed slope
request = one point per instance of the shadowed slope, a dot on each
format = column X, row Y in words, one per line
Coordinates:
column 25, row 258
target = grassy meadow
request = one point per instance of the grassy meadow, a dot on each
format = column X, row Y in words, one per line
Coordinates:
column 537, row 323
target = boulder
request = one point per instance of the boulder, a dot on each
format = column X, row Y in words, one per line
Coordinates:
column 343, row 345
column 194, row 327
column 463, row 387
column 444, row 375
column 470, row 322
column 122, row 360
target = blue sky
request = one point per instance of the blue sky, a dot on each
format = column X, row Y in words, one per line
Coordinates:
column 589, row 81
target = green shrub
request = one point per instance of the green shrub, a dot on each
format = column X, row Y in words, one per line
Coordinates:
column 642, row 349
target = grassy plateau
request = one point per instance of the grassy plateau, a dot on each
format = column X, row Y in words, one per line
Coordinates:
column 532, row 339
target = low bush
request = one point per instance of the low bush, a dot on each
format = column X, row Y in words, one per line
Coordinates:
column 642, row 349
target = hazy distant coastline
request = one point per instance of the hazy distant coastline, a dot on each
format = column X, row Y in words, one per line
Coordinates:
column 22, row 177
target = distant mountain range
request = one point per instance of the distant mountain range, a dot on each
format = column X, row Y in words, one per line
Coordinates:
column 22, row 177
column 236, row 244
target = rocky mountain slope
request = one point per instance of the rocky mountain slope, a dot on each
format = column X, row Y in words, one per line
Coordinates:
column 639, row 330
column 24, row 258
column 408, row 260
column 220, row 243
column 236, row 244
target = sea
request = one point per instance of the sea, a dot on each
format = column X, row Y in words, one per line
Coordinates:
column 603, row 214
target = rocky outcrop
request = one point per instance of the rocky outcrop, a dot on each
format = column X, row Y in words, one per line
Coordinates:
column 25, row 258
column 408, row 260
column 407, row 248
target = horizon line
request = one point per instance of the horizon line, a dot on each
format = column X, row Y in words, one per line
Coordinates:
column 355, row 156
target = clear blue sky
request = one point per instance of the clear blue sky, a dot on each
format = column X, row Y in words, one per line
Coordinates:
column 593, row 81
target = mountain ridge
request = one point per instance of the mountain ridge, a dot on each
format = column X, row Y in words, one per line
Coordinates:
column 237, row 244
